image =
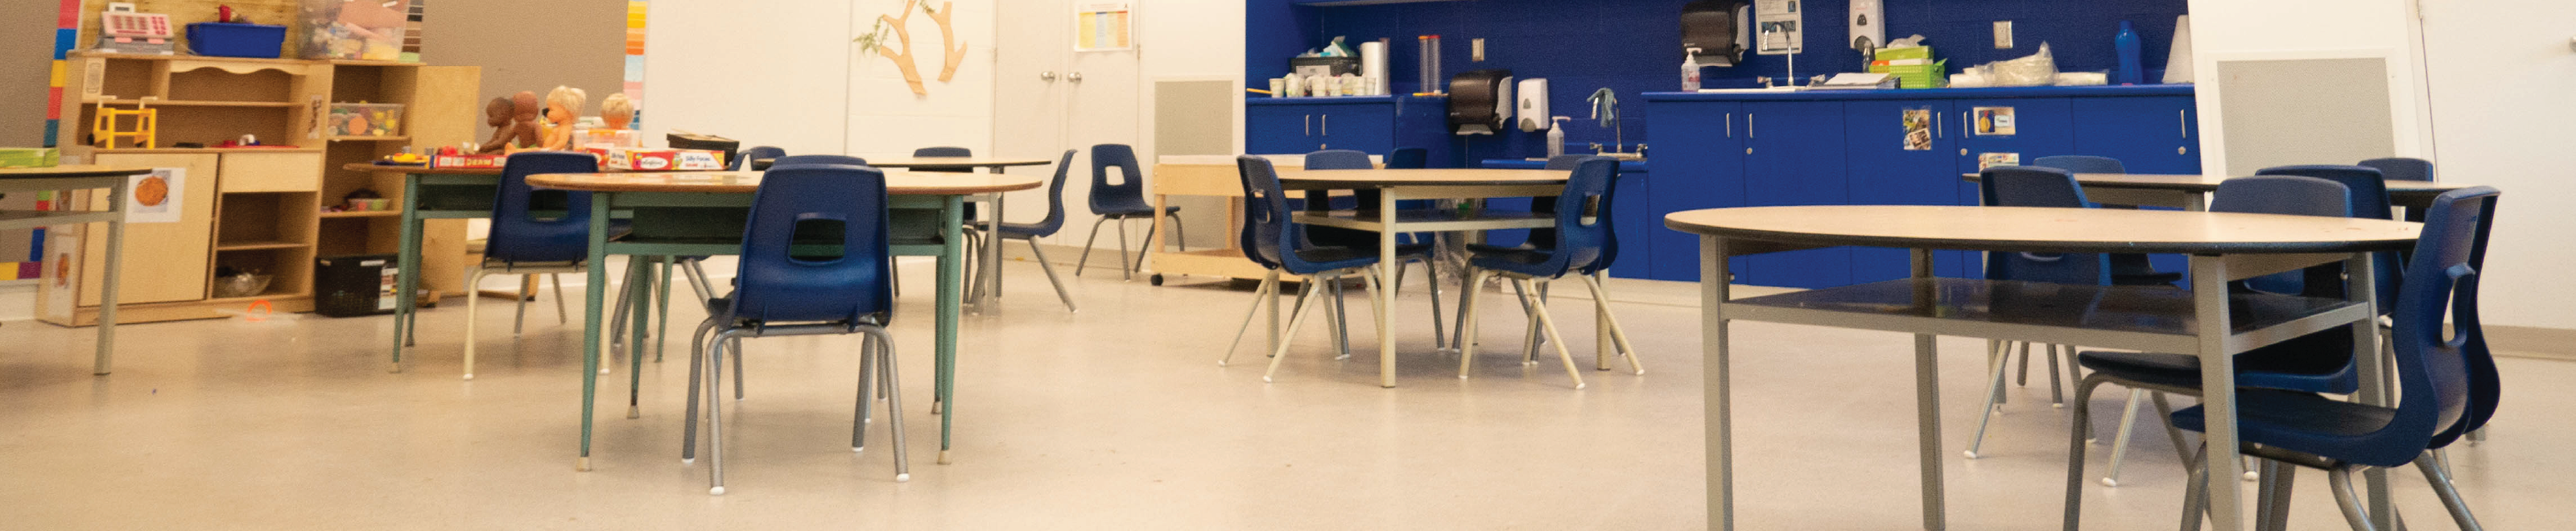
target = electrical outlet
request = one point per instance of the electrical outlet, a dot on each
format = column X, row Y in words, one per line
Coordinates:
column 1476, row 50
column 2003, row 35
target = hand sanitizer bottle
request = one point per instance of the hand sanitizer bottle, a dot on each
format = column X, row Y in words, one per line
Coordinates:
column 1690, row 70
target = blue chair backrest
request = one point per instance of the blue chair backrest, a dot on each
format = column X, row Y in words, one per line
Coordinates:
column 1609, row 227
column 1339, row 159
column 2296, row 196
column 2081, row 164
column 1567, row 162
column 1128, row 195
column 1579, row 244
column 2401, row 168
column 2026, row 186
column 2440, row 392
column 2369, row 200
column 1055, row 197
column 752, row 154
column 1266, row 230
column 1408, row 158
column 518, row 235
column 829, row 160
column 945, row 151
column 816, row 206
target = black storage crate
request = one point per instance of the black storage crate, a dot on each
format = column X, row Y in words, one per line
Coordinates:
column 354, row 285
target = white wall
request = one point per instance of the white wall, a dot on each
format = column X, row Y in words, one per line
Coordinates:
column 772, row 72
column 2500, row 97
column 886, row 117
column 2225, row 30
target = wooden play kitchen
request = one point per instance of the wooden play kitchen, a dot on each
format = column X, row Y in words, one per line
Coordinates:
column 256, row 209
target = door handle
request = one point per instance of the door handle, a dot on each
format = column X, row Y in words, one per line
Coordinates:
column 1047, row 76
column 1073, row 77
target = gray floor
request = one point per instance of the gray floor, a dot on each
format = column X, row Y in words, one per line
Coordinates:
column 1114, row 418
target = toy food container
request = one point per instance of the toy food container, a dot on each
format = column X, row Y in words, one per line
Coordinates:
column 630, row 159
column 365, row 119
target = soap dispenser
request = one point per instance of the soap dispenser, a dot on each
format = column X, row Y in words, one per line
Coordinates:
column 1690, row 70
column 1556, row 136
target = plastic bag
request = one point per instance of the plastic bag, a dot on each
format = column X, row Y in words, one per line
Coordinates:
column 2038, row 69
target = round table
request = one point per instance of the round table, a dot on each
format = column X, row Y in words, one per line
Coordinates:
column 2189, row 192
column 2207, row 321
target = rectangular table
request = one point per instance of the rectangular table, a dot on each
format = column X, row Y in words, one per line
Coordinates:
column 79, row 177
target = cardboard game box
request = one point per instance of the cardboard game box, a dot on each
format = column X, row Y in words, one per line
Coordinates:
column 645, row 159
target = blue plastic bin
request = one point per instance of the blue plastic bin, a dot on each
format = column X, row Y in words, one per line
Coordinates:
column 224, row 39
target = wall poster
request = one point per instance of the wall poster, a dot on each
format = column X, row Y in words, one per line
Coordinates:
column 152, row 197
column 1103, row 26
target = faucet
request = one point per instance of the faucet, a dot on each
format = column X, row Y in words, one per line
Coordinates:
column 1605, row 107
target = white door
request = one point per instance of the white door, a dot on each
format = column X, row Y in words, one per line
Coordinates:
column 2500, row 78
column 1049, row 98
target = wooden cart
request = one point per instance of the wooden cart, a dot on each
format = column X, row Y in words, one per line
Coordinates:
column 1211, row 176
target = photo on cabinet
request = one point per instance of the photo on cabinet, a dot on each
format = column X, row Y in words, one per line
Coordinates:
column 1989, row 160
column 1918, row 129
column 1994, row 121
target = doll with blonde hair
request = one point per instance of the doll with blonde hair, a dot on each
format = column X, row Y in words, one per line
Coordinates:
column 563, row 108
column 616, row 111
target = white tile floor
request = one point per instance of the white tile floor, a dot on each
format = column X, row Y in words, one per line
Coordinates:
column 1114, row 418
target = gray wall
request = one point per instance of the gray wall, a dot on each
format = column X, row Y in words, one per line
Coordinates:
column 524, row 47
column 26, row 63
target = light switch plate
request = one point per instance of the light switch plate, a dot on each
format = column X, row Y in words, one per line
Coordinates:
column 2003, row 35
column 1476, row 50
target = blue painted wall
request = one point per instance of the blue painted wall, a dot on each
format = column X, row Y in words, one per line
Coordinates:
column 1633, row 46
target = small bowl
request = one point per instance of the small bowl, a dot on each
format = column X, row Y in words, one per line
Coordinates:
column 241, row 285
column 369, row 205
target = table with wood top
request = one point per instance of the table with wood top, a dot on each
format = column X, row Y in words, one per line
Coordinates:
column 2191, row 192
column 1411, row 184
column 2222, row 246
column 703, row 214
column 81, row 177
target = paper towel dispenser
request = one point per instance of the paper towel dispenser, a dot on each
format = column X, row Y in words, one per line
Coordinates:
column 1480, row 102
column 1716, row 27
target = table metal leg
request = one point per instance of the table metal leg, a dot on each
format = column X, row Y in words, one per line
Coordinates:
column 952, row 261
column 2218, row 391
column 1713, row 293
column 1927, row 404
column 595, row 290
column 992, row 270
column 2370, row 364
column 407, row 268
column 107, row 286
column 1386, row 298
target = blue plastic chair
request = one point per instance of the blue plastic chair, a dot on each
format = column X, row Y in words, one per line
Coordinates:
column 1408, row 158
column 2369, row 200
column 944, row 151
column 2446, row 386
column 1054, row 221
column 753, row 155
column 1121, row 201
column 1405, row 252
column 2401, row 168
column 2081, row 164
column 522, row 243
column 2320, row 362
column 814, row 261
column 1272, row 240
column 2041, row 187
column 1582, row 228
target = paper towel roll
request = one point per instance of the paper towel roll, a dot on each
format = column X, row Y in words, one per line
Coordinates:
column 1373, row 66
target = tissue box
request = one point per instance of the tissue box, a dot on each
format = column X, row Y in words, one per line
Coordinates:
column 1914, row 73
column 633, row 159
column 30, row 157
column 1896, row 54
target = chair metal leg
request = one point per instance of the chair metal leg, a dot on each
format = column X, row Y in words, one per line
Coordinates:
column 737, row 368
column 1141, row 250
column 2056, row 392
column 519, row 317
column 1259, row 295
column 2282, row 477
column 2195, row 497
column 1179, row 237
column 2440, row 478
column 1439, row 324
column 2075, row 440
column 1124, row 272
column 1049, row 267
column 1306, row 303
column 1467, row 320
column 697, row 382
column 894, row 402
column 867, row 384
column 2120, row 443
column 2341, row 479
column 2164, row 410
column 617, row 320
column 561, row 317
column 1529, row 312
column 473, row 305
column 1341, row 320
column 1458, row 330
column 715, row 412
column 1086, row 246
column 1549, row 325
column 1618, row 334
column 2021, row 378
column 1370, row 284
column 662, row 307
column 1995, row 365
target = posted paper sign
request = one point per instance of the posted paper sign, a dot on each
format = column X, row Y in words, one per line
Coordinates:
column 1100, row 26
column 154, row 197
column 1994, row 121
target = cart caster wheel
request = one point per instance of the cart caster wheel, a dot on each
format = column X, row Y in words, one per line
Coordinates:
column 1157, row 279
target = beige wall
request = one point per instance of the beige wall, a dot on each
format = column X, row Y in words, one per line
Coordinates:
column 26, row 62
column 522, row 47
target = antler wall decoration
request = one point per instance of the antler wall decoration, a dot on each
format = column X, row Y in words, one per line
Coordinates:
column 954, row 52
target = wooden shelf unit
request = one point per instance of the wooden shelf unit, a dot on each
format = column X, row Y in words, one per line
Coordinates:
column 257, row 209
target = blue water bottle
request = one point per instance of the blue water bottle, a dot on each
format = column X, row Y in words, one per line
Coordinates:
column 2127, row 43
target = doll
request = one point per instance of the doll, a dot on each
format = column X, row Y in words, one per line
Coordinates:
column 563, row 108
column 514, row 123
column 616, row 111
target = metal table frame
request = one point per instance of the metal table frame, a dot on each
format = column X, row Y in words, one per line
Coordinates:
column 81, row 178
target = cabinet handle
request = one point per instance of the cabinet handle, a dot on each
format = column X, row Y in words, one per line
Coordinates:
column 1937, row 127
column 1328, row 124
column 2182, row 120
column 1730, row 125
column 1310, row 125
column 1967, row 125
column 1748, row 129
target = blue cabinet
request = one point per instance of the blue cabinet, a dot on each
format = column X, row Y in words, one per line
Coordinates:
column 2148, row 134
column 1374, row 124
column 1701, row 167
column 1795, row 154
column 1901, row 152
column 2029, row 127
column 1273, row 129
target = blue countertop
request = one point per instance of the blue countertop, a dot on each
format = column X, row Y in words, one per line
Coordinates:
column 1939, row 93
column 1629, row 166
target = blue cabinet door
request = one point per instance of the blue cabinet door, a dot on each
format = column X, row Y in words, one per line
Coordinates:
column 2148, row 134
column 1795, row 154
column 1277, row 129
column 1901, row 152
column 1698, row 163
column 1365, row 127
column 2029, row 127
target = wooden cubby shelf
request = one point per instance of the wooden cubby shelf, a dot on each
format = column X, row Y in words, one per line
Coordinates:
column 193, row 103
column 257, row 246
column 371, row 139
column 362, row 214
